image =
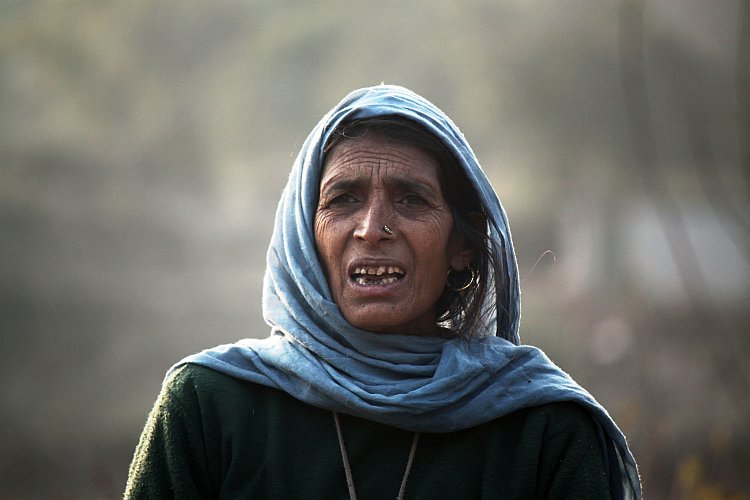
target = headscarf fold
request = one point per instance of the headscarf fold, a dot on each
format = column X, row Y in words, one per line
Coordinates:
column 425, row 384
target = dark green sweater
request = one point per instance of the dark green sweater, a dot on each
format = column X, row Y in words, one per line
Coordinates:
column 214, row 436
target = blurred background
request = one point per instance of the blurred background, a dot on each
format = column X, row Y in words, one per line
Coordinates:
column 144, row 145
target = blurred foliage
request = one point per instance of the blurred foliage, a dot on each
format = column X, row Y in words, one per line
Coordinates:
column 144, row 145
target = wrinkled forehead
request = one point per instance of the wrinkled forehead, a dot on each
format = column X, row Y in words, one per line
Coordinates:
column 378, row 161
column 377, row 150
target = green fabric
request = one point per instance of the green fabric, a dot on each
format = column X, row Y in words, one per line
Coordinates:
column 214, row 436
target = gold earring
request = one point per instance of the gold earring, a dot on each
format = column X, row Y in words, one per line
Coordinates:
column 470, row 282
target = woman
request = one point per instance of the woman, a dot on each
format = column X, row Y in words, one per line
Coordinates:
column 393, row 366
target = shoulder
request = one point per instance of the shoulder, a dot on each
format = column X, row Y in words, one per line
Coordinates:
column 190, row 377
column 219, row 399
column 562, row 413
column 545, row 430
column 560, row 421
column 191, row 381
column 537, row 430
column 565, row 446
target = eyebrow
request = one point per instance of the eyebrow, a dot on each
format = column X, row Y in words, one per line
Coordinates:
column 341, row 185
column 400, row 183
column 405, row 184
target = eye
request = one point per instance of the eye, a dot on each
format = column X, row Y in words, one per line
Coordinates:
column 413, row 200
column 342, row 199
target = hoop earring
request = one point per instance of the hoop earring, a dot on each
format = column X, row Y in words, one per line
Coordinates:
column 470, row 282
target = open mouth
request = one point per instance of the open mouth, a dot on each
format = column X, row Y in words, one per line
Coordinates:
column 377, row 275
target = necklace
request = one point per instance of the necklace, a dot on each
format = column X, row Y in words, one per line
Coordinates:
column 348, row 469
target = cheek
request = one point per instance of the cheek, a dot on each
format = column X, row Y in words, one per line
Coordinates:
column 326, row 243
column 434, row 251
column 434, row 237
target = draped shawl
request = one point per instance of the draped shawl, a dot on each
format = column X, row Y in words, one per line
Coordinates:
column 425, row 384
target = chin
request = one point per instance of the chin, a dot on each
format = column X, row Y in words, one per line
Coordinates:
column 381, row 323
column 371, row 324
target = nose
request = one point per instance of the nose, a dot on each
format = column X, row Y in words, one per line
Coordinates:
column 371, row 227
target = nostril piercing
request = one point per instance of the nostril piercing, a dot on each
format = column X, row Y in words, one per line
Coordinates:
column 387, row 230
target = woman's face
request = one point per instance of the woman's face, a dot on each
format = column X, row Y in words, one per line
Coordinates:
column 385, row 282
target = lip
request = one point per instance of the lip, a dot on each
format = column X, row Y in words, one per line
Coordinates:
column 375, row 290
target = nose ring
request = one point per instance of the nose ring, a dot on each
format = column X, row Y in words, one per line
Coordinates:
column 387, row 230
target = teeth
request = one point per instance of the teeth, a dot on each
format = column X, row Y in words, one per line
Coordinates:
column 385, row 281
column 378, row 271
column 377, row 275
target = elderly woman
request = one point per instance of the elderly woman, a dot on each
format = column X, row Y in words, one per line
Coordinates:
column 393, row 367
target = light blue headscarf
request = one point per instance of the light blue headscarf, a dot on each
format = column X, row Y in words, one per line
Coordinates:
column 425, row 384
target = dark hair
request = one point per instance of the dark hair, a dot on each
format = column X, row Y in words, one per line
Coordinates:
column 461, row 311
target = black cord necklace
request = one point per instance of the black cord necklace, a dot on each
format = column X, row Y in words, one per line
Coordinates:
column 348, row 469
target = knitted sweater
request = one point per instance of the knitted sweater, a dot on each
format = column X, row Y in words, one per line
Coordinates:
column 213, row 436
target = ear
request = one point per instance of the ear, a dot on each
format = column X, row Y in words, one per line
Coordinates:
column 463, row 255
